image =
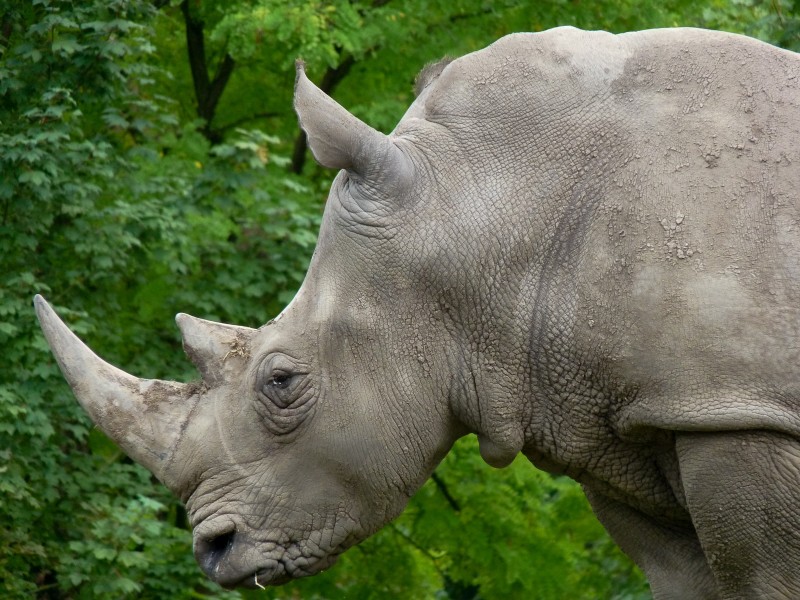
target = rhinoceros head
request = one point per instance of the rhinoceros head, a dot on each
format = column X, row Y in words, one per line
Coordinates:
column 308, row 434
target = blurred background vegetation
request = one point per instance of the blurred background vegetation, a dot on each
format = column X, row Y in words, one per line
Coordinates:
column 150, row 163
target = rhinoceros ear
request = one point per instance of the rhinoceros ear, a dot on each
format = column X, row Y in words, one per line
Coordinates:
column 214, row 348
column 337, row 139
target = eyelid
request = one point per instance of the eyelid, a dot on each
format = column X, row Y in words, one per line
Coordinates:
column 283, row 362
column 276, row 365
column 283, row 409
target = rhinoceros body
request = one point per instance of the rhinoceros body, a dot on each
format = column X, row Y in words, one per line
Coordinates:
column 579, row 246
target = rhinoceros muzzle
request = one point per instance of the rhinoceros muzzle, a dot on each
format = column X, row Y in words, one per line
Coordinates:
column 224, row 559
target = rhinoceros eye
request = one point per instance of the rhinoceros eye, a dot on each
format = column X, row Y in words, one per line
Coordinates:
column 279, row 386
column 285, row 393
column 280, row 380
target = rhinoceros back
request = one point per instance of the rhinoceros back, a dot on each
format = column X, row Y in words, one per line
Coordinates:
column 663, row 170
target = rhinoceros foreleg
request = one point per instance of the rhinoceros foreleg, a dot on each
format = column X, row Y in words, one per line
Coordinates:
column 743, row 493
column 668, row 553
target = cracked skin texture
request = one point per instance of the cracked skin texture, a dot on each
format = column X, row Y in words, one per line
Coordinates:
column 639, row 204
column 638, row 200
column 580, row 246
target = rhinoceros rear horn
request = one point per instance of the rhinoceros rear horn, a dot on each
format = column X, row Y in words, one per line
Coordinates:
column 216, row 349
column 144, row 417
column 338, row 139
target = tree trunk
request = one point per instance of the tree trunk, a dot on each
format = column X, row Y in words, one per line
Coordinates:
column 207, row 91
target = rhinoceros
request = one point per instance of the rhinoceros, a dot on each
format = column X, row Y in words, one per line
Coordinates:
column 579, row 246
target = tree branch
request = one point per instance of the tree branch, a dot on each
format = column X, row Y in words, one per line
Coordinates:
column 253, row 117
column 207, row 92
column 445, row 492
column 6, row 26
column 218, row 84
column 453, row 586
column 196, row 46
column 421, row 549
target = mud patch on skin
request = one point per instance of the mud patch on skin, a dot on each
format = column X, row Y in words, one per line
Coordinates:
column 240, row 347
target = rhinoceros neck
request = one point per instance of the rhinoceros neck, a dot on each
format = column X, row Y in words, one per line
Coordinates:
column 527, row 196
column 521, row 318
column 534, row 362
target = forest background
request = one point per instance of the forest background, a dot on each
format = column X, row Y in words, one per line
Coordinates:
column 151, row 163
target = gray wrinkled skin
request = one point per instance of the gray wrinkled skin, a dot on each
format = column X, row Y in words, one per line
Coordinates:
column 580, row 246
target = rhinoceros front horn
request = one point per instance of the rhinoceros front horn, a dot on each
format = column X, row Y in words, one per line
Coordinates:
column 144, row 416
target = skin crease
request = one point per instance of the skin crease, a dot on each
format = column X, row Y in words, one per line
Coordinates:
column 579, row 246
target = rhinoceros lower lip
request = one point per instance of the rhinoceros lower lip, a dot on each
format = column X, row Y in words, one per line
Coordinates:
column 278, row 574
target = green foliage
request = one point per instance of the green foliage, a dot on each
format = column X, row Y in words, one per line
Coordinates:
column 108, row 201
column 318, row 31
column 117, row 203
column 777, row 22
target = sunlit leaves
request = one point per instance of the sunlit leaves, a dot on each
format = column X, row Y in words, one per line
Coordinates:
column 319, row 31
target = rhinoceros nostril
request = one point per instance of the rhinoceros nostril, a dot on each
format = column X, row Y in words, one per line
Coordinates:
column 209, row 551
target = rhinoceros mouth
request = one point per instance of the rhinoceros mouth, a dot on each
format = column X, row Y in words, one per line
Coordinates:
column 279, row 572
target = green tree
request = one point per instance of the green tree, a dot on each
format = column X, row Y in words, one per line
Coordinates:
column 108, row 200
